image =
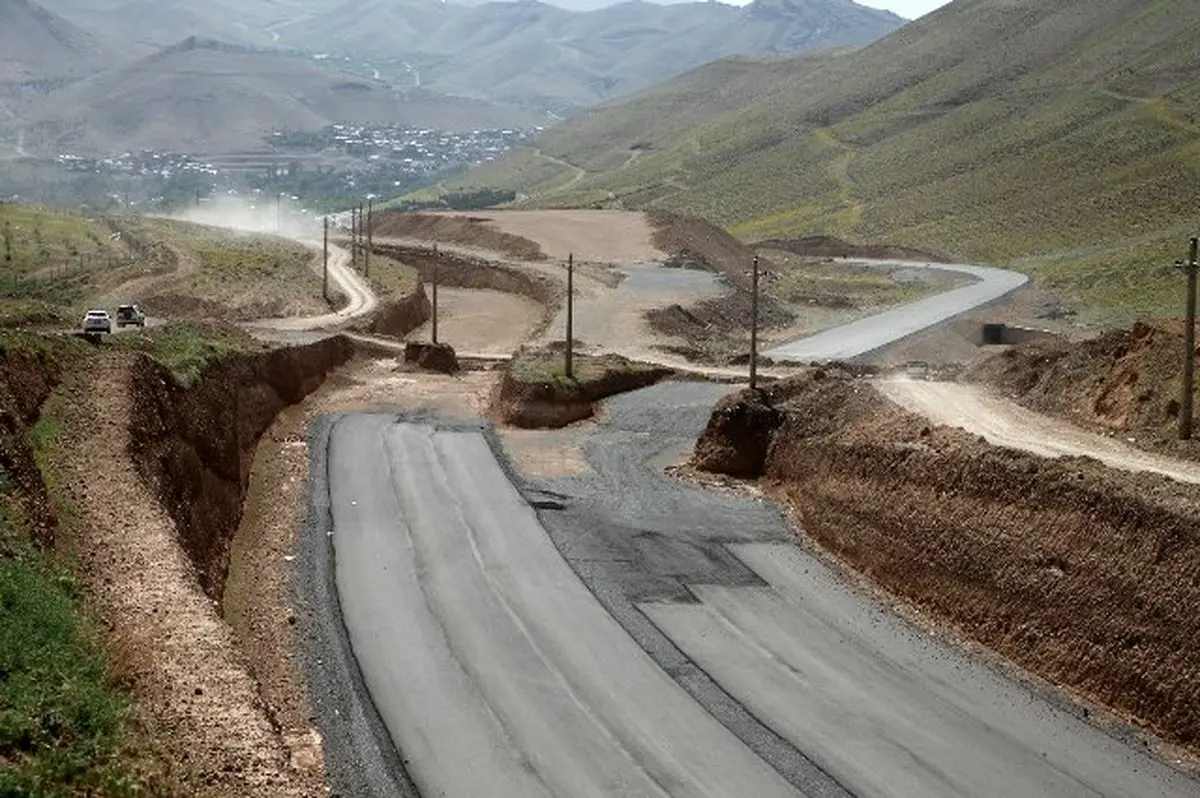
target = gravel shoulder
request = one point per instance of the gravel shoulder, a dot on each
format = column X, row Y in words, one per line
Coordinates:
column 1005, row 423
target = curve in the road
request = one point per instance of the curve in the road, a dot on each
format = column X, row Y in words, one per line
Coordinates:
column 867, row 335
column 361, row 300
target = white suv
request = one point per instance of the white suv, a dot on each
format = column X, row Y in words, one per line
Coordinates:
column 97, row 321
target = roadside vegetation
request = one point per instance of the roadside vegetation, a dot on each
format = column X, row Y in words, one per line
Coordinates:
column 806, row 282
column 65, row 716
column 391, row 279
column 238, row 275
column 186, row 349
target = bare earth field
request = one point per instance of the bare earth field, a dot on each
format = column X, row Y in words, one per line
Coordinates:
column 606, row 236
column 482, row 322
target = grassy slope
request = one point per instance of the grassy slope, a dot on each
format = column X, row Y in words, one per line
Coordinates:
column 62, row 263
column 1055, row 135
column 64, row 717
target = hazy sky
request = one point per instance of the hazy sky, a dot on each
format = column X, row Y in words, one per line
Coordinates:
column 910, row 9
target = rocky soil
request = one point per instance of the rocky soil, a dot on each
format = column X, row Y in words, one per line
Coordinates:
column 1123, row 382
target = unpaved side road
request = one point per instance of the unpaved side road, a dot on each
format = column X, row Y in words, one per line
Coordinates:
column 361, row 300
column 1005, row 423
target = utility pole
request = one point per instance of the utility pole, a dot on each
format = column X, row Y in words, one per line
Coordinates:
column 325, row 261
column 570, row 315
column 370, row 238
column 1189, row 343
column 354, row 236
column 435, row 292
column 754, row 326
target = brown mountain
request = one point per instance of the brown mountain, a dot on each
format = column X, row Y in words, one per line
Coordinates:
column 204, row 96
column 36, row 44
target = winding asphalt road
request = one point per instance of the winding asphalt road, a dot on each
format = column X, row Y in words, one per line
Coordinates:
column 862, row 337
column 636, row 636
column 620, row 633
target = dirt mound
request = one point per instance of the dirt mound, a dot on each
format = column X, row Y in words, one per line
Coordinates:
column 461, row 271
column 1124, row 380
column 698, row 243
column 473, row 231
column 535, row 394
column 1079, row 573
column 718, row 328
column 831, row 247
column 401, row 316
column 194, row 445
column 432, row 357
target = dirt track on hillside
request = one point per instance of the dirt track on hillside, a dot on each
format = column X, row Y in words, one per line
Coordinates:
column 1005, row 423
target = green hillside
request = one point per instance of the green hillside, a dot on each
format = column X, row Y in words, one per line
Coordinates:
column 1056, row 135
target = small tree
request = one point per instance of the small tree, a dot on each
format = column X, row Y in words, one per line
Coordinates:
column 8, row 256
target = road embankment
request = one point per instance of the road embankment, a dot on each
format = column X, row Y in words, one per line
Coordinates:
column 194, row 445
column 1084, row 575
column 398, row 317
column 463, row 271
column 536, row 393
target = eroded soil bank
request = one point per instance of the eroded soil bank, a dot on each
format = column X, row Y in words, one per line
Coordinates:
column 1084, row 575
column 194, row 445
column 535, row 393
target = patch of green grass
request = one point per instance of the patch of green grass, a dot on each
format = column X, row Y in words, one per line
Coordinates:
column 548, row 366
column 390, row 278
column 62, row 725
column 186, row 350
column 802, row 282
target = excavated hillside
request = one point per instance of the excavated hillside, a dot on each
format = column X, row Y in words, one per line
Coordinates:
column 1084, row 575
column 154, row 473
column 1123, row 382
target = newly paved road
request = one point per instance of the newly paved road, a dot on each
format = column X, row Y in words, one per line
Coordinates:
column 645, row 637
column 867, row 335
column 496, row 671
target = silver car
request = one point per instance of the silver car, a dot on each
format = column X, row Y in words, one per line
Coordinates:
column 97, row 321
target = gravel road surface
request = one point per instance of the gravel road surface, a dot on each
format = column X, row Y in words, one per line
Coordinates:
column 1005, row 423
column 601, row 664
column 361, row 300
column 864, row 336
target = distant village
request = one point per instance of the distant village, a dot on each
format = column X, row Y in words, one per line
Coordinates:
column 324, row 166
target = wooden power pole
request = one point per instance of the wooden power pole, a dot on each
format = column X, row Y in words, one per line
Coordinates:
column 570, row 364
column 325, row 261
column 354, row 236
column 754, row 325
column 370, row 238
column 1189, row 344
column 435, row 292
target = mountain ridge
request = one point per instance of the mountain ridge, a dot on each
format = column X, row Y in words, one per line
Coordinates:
column 1036, row 133
column 203, row 95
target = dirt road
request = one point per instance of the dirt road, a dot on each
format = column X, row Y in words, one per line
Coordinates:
column 361, row 300
column 1006, row 423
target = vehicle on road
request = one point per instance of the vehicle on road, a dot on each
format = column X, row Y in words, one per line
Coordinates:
column 130, row 316
column 97, row 321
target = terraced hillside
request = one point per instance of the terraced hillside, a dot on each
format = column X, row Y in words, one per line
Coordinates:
column 1055, row 135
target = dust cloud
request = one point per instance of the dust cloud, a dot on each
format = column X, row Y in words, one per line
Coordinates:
column 281, row 216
